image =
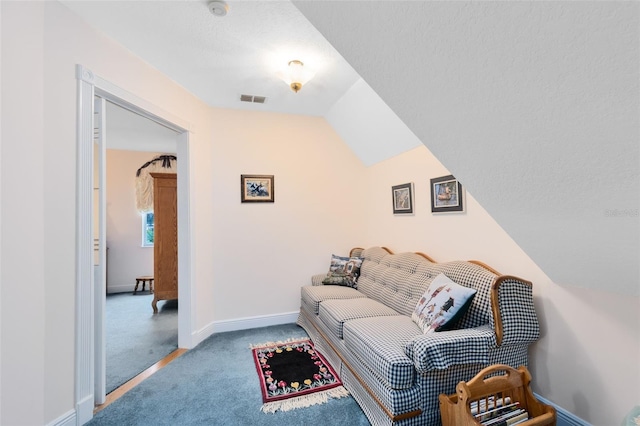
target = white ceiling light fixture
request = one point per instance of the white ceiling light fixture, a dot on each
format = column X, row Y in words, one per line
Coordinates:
column 218, row 8
column 296, row 75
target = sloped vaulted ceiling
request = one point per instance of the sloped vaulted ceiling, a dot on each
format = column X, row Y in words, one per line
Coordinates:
column 532, row 105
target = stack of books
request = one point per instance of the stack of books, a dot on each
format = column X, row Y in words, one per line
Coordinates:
column 498, row 412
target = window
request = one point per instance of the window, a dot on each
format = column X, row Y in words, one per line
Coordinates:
column 147, row 229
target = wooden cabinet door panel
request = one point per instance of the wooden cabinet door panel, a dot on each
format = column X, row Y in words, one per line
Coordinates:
column 165, row 246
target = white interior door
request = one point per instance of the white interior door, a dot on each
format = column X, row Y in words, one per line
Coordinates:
column 99, row 245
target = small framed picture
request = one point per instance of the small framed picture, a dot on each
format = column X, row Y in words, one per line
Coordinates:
column 446, row 195
column 257, row 188
column 402, row 196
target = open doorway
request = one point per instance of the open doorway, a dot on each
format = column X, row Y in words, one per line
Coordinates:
column 90, row 283
column 135, row 338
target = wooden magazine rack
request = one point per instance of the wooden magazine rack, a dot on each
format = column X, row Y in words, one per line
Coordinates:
column 488, row 386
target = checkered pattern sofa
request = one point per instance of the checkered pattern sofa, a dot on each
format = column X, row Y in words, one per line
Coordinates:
column 393, row 370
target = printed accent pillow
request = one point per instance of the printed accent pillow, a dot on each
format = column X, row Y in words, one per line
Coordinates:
column 442, row 305
column 343, row 271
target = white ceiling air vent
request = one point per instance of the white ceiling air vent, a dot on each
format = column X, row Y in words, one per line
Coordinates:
column 254, row 99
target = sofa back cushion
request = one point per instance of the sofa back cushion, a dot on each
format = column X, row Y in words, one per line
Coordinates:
column 397, row 280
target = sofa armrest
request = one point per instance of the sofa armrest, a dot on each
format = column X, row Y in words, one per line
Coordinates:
column 317, row 279
column 441, row 350
column 512, row 298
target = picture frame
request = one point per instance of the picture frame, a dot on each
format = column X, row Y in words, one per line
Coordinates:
column 446, row 195
column 402, row 197
column 257, row 188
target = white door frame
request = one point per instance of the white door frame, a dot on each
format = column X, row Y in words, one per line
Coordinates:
column 100, row 271
column 87, row 322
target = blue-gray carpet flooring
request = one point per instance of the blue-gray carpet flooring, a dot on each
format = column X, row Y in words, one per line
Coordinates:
column 135, row 337
column 216, row 383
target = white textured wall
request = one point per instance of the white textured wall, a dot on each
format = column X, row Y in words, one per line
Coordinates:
column 534, row 106
column 263, row 250
column 127, row 258
column 368, row 126
column 1, row 84
column 129, row 131
column 23, row 170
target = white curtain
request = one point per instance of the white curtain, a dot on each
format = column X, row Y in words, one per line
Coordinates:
column 165, row 163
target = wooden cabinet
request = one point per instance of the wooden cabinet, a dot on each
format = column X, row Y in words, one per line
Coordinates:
column 165, row 244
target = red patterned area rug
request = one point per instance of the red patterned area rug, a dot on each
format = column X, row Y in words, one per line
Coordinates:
column 293, row 374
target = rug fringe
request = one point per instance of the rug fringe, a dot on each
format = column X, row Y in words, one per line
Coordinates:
column 305, row 400
column 280, row 342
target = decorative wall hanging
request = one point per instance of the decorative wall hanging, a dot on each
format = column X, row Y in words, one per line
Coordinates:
column 446, row 195
column 402, row 196
column 257, row 188
column 165, row 163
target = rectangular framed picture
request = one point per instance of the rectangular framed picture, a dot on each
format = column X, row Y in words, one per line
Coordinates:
column 257, row 188
column 402, row 198
column 446, row 195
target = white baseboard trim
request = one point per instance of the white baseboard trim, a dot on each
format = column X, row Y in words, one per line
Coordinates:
column 255, row 322
column 200, row 335
column 243, row 324
column 84, row 410
column 67, row 419
column 563, row 417
column 124, row 288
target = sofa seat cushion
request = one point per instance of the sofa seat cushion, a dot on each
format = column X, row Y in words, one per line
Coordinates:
column 313, row 295
column 444, row 349
column 380, row 344
column 334, row 313
column 396, row 401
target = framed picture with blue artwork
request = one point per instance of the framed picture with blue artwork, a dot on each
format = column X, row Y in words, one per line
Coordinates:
column 446, row 195
column 257, row 189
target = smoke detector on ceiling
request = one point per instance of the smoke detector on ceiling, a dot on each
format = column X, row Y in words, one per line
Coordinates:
column 218, row 8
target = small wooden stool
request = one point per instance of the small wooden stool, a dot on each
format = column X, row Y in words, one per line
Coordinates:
column 144, row 280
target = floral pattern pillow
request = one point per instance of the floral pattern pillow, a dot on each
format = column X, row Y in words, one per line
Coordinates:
column 343, row 271
column 442, row 305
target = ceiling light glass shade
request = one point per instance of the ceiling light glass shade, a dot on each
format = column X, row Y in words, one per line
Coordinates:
column 296, row 75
